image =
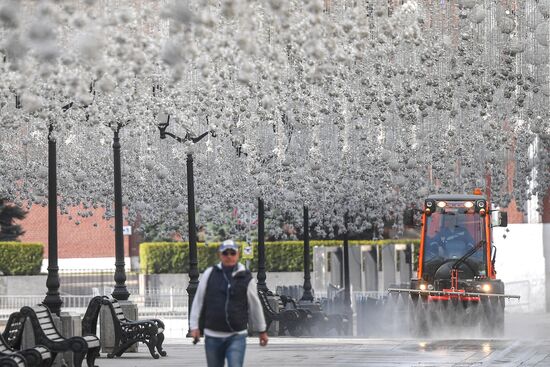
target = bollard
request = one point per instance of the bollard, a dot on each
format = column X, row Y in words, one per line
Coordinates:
column 71, row 325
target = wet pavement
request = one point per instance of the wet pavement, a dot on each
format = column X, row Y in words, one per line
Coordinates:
column 526, row 343
column 359, row 352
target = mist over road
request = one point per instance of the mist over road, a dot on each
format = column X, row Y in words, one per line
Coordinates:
column 526, row 343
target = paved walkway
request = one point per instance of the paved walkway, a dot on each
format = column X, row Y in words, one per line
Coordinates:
column 320, row 352
column 526, row 343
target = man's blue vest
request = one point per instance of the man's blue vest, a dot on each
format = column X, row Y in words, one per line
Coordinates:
column 225, row 303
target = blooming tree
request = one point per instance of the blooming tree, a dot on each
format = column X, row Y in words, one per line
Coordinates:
column 354, row 109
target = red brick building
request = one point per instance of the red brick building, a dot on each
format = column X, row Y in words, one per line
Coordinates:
column 87, row 245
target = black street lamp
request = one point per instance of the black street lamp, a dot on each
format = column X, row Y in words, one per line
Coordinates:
column 193, row 259
column 347, row 289
column 120, row 291
column 307, row 295
column 52, row 300
column 261, row 285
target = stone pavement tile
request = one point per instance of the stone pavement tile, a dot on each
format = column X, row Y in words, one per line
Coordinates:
column 354, row 352
column 526, row 343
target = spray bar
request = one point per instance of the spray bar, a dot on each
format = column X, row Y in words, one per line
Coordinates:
column 446, row 293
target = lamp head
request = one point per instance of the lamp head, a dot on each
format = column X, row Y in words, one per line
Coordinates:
column 162, row 127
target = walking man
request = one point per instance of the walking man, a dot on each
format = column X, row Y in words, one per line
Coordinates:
column 225, row 300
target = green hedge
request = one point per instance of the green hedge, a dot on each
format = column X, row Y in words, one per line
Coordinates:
column 18, row 258
column 173, row 257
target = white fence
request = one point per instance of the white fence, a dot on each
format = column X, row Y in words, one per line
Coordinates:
column 165, row 303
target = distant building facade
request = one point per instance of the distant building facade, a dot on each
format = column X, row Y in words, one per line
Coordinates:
column 90, row 244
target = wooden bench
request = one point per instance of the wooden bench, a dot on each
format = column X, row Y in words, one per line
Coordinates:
column 10, row 342
column 295, row 321
column 129, row 332
column 46, row 333
column 13, row 361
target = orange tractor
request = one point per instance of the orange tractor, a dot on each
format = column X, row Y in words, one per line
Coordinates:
column 456, row 279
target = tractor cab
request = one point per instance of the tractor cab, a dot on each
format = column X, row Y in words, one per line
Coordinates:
column 456, row 239
column 456, row 280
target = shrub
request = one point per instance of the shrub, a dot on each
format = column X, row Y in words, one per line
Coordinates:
column 173, row 257
column 18, row 258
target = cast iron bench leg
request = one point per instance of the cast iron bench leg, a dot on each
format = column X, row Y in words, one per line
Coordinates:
column 160, row 340
column 129, row 332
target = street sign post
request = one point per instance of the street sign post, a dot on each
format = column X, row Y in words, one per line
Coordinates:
column 247, row 252
column 127, row 230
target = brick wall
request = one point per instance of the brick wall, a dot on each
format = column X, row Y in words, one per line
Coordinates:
column 93, row 237
column 546, row 208
column 514, row 215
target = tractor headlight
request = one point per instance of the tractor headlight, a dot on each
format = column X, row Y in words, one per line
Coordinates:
column 425, row 286
column 468, row 204
column 480, row 207
column 441, row 204
column 486, row 288
column 429, row 206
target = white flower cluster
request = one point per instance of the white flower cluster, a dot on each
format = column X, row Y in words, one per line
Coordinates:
column 356, row 109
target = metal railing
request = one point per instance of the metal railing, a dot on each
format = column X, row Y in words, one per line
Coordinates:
column 79, row 286
column 163, row 302
column 523, row 289
column 12, row 303
column 80, row 281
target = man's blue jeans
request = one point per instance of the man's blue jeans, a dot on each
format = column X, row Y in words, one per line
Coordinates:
column 218, row 349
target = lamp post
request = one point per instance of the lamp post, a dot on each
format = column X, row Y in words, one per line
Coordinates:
column 347, row 291
column 52, row 300
column 307, row 295
column 120, row 292
column 261, row 248
column 193, row 259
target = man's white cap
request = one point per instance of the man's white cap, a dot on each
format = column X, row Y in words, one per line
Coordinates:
column 228, row 245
